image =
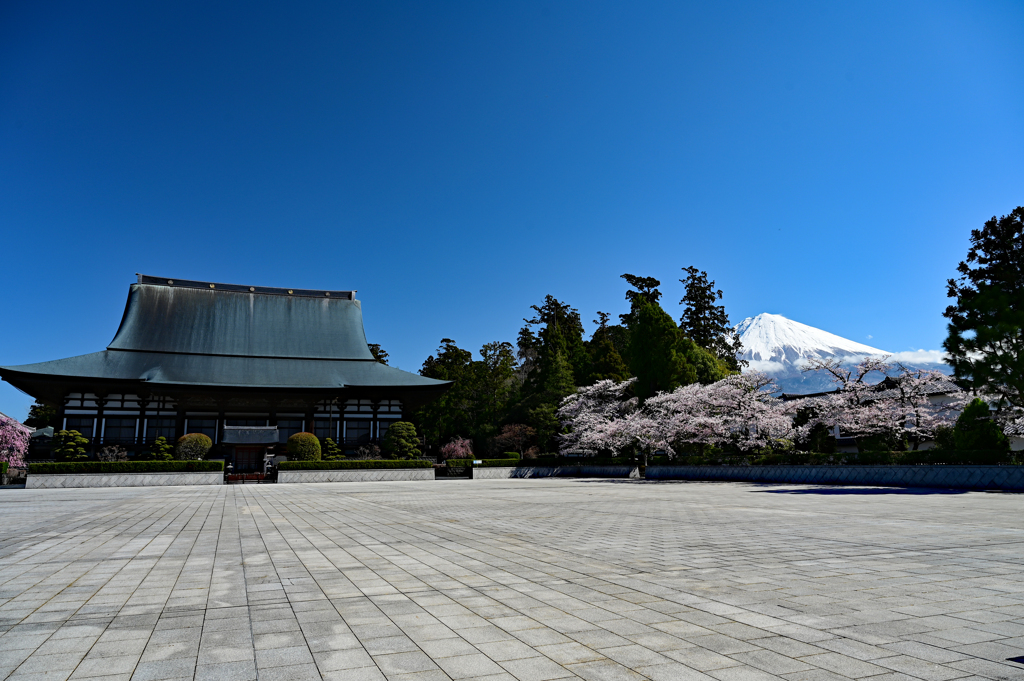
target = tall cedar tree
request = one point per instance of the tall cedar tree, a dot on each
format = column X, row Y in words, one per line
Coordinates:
column 379, row 353
column 554, row 360
column 706, row 323
column 448, row 416
column 985, row 345
column 605, row 359
column 477, row 402
column 660, row 357
column 41, row 415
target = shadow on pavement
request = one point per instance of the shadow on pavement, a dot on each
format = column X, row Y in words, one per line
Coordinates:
column 867, row 490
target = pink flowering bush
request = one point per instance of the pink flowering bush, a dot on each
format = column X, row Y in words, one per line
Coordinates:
column 458, row 448
column 13, row 442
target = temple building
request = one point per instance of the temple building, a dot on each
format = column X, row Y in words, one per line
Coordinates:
column 246, row 365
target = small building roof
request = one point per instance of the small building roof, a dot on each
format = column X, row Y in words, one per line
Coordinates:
column 189, row 333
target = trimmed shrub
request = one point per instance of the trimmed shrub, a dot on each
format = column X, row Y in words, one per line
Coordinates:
column 160, row 450
column 193, row 446
column 125, row 467
column 3, row 468
column 303, row 447
column 69, row 445
column 331, row 451
column 512, row 455
column 362, row 464
column 401, row 441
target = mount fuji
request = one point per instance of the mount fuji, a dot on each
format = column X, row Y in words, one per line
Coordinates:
column 781, row 348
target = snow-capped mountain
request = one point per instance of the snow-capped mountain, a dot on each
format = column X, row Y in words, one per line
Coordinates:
column 781, row 347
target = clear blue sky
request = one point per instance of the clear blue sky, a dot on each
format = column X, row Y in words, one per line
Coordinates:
column 455, row 162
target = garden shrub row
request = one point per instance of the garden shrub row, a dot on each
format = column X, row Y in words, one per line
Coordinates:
column 918, row 458
column 539, row 462
column 356, row 464
column 124, row 467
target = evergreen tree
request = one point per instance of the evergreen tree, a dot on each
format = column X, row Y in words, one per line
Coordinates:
column 69, row 445
column 449, row 415
column 605, row 360
column 659, row 356
column 379, row 353
column 705, row 322
column 985, row 345
column 401, row 441
column 976, row 430
column 41, row 415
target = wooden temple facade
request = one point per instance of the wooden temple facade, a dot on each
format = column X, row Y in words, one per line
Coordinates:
column 248, row 366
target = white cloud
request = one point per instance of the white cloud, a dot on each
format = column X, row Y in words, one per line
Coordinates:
column 919, row 357
column 870, row 336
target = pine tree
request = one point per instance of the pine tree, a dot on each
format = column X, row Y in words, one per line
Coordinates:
column 706, row 323
column 985, row 345
column 605, row 360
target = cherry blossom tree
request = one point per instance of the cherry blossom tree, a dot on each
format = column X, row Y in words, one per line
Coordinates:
column 13, row 442
column 458, row 448
column 592, row 417
column 904, row 404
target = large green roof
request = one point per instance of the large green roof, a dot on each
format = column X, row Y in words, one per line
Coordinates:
column 193, row 333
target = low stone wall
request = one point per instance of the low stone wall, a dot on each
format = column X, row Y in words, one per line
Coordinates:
column 356, row 475
column 957, row 477
column 65, row 480
column 580, row 471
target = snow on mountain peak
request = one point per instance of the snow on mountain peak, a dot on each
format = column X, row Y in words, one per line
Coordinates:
column 772, row 342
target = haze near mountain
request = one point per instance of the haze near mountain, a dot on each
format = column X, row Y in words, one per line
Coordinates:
column 780, row 347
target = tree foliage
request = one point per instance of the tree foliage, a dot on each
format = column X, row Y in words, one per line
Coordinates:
column 303, row 447
column 379, row 353
column 522, row 386
column 192, row 446
column 985, row 345
column 706, row 323
column 401, row 441
column 13, row 442
column 41, row 415
column 976, row 429
column 69, row 445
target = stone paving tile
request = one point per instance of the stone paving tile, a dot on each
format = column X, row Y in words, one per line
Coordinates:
column 511, row 580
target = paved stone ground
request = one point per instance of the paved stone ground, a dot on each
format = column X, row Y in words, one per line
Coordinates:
column 511, row 579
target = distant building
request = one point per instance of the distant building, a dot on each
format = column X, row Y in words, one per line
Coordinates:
column 246, row 365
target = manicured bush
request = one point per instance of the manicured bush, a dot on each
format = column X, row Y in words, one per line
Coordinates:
column 331, row 451
column 351, row 463
column 3, row 468
column 512, row 455
column 69, row 445
column 401, row 441
column 124, row 467
column 192, row 447
column 303, row 447
column 160, row 450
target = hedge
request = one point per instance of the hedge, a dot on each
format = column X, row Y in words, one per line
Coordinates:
column 918, row 458
column 358, row 463
column 3, row 467
column 125, row 467
column 579, row 461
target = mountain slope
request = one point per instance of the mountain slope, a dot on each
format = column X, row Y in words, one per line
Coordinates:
column 781, row 347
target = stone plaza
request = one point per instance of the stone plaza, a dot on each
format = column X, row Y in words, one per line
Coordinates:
column 510, row 580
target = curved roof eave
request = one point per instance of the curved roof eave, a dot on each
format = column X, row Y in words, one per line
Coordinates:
column 240, row 372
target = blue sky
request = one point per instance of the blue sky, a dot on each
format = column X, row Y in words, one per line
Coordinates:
column 455, row 162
